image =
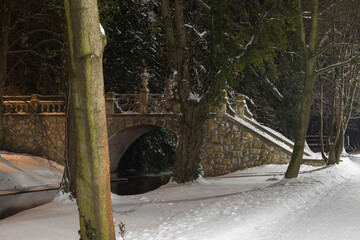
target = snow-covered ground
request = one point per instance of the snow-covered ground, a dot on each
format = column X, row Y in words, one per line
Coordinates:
column 19, row 172
column 252, row 204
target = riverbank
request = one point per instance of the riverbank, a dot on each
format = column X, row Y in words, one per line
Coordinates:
column 26, row 181
column 24, row 173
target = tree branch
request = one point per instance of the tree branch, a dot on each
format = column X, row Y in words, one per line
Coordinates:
column 204, row 5
column 34, row 32
column 341, row 64
column 302, row 27
column 331, row 45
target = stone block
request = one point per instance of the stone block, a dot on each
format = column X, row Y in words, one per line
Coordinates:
column 255, row 151
column 219, row 155
column 219, row 148
column 235, row 128
column 226, row 162
column 238, row 147
column 249, row 135
column 235, row 160
column 214, row 138
column 243, row 166
column 236, row 140
column 250, row 163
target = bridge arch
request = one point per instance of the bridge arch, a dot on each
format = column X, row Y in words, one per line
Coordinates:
column 124, row 130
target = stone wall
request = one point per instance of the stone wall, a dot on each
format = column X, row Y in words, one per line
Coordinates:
column 229, row 146
column 124, row 129
column 41, row 135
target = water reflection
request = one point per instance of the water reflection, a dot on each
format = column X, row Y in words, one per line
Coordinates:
column 14, row 203
column 139, row 184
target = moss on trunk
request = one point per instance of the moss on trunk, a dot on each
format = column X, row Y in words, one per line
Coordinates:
column 89, row 118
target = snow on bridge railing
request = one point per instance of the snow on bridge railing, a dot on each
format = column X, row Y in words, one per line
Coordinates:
column 138, row 103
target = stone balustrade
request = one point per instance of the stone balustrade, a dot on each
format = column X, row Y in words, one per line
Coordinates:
column 41, row 104
column 36, row 125
column 232, row 140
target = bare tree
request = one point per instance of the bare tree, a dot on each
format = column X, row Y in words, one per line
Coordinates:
column 312, row 49
column 340, row 84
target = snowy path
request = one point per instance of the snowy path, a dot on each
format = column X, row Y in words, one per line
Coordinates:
column 243, row 205
column 335, row 217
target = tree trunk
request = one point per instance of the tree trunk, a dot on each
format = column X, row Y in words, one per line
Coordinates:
column 340, row 146
column 4, row 49
column 303, row 121
column 69, row 179
column 187, row 160
column 87, row 101
column 193, row 113
column 322, row 123
column 330, row 137
column 309, row 48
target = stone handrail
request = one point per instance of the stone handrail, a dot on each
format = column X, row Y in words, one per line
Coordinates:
column 159, row 103
column 142, row 103
column 41, row 104
column 138, row 103
column 115, row 104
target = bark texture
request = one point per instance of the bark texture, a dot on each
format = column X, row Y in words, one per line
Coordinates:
column 69, row 179
column 4, row 49
column 87, row 101
column 193, row 113
column 309, row 47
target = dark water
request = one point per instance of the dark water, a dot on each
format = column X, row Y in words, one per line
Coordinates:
column 139, row 184
column 14, row 203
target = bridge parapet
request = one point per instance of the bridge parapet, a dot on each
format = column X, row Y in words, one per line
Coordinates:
column 233, row 139
column 135, row 103
column 41, row 104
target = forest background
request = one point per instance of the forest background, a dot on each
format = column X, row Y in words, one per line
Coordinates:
column 248, row 47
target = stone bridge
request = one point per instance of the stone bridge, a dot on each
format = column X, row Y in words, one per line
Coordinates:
column 233, row 139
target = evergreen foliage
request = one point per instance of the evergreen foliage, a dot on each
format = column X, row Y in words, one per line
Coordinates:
column 151, row 153
column 134, row 42
column 35, row 59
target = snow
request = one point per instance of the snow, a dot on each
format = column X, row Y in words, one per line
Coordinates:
column 256, row 203
column 194, row 96
column 25, row 171
column 274, row 88
column 273, row 136
column 201, row 35
column 102, row 29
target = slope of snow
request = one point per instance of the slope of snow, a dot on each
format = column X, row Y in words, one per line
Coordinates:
column 251, row 204
column 26, row 171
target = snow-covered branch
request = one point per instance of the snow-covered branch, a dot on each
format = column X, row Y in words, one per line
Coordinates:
column 201, row 35
column 295, row 54
column 275, row 91
column 204, row 4
column 341, row 64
